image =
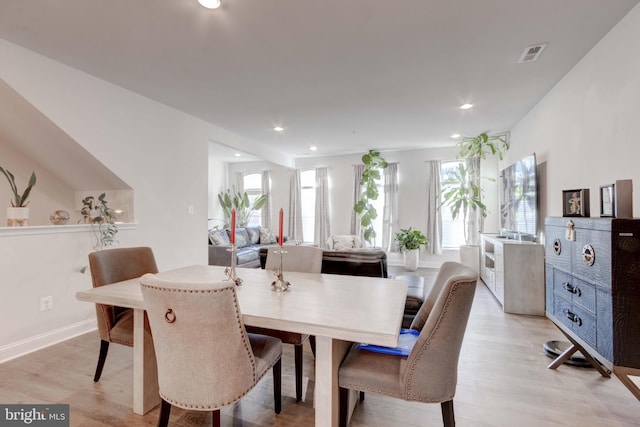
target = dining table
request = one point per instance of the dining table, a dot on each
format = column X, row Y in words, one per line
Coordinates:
column 337, row 309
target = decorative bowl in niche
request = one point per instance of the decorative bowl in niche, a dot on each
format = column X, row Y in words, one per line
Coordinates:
column 59, row 217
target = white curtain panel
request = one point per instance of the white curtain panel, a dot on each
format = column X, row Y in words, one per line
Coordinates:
column 295, row 207
column 321, row 223
column 390, row 212
column 266, row 209
column 355, row 220
column 434, row 215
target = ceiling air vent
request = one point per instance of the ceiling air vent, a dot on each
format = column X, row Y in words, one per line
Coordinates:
column 532, row 52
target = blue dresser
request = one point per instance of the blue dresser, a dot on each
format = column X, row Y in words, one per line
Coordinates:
column 593, row 289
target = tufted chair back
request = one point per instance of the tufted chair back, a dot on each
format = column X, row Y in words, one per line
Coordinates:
column 431, row 371
column 204, row 355
column 299, row 258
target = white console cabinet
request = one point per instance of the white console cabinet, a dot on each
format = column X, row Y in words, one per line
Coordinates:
column 513, row 271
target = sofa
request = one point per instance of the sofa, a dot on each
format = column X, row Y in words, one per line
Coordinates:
column 355, row 262
column 249, row 240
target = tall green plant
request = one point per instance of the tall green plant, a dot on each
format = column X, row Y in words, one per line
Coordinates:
column 461, row 189
column 19, row 200
column 373, row 163
column 232, row 198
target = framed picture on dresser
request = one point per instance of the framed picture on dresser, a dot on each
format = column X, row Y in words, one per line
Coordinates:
column 607, row 200
column 575, row 202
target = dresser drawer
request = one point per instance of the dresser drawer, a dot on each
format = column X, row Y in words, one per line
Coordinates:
column 592, row 256
column 584, row 295
column 577, row 319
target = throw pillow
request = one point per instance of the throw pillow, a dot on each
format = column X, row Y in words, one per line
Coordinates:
column 254, row 235
column 342, row 242
column 219, row 237
column 242, row 238
column 267, row 237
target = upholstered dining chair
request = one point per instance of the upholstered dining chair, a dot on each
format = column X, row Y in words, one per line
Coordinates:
column 206, row 360
column 429, row 374
column 303, row 259
column 115, row 324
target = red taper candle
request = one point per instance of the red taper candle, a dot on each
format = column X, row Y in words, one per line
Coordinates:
column 280, row 232
column 233, row 226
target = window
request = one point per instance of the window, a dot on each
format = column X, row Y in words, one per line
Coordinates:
column 452, row 230
column 308, row 201
column 253, row 188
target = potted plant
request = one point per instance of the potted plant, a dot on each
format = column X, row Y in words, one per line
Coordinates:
column 18, row 213
column 408, row 242
column 233, row 199
column 373, row 163
column 461, row 190
column 102, row 220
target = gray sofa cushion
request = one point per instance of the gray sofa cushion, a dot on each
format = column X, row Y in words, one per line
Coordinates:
column 219, row 237
column 242, row 237
column 254, row 235
column 267, row 237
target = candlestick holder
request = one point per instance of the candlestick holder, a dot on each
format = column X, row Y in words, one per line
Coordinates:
column 230, row 272
column 280, row 284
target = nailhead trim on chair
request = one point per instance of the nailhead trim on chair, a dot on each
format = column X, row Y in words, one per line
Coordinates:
column 247, row 347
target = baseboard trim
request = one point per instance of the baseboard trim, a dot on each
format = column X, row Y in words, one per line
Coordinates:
column 38, row 342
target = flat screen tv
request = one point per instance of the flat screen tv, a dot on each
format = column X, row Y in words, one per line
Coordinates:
column 519, row 199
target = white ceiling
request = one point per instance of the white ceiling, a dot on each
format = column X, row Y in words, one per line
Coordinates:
column 345, row 75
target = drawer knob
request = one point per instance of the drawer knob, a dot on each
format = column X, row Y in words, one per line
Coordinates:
column 573, row 289
column 573, row 317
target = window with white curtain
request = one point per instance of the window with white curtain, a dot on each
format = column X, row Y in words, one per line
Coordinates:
column 308, row 201
column 253, row 188
column 452, row 230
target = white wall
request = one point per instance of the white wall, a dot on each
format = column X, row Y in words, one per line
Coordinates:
column 585, row 131
column 160, row 152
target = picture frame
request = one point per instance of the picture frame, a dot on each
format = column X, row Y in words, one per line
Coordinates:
column 607, row 201
column 575, row 202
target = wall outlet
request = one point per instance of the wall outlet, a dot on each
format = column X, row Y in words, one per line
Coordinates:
column 46, row 303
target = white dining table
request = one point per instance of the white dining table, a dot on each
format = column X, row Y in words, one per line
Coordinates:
column 336, row 309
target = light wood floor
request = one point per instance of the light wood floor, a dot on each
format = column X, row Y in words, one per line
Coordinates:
column 502, row 381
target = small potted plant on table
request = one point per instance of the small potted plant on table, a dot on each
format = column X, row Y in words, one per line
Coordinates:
column 408, row 242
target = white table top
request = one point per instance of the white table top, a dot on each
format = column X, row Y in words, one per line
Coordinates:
column 349, row 308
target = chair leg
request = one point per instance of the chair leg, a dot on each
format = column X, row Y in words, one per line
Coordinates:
column 277, row 386
column 165, row 411
column 216, row 418
column 343, row 413
column 447, row 413
column 298, row 368
column 104, row 348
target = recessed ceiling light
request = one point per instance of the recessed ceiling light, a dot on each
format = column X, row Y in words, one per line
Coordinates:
column 466, row 106
column 313, row 148
column 238, row 155
column 210, row 4
column 455, row 136
column 278, row 128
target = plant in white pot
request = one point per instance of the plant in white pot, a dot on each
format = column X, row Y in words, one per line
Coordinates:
column 18, row 213
column 408, row 242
